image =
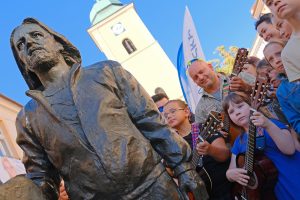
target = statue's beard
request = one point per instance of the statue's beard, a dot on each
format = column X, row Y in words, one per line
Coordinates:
column 43, row 61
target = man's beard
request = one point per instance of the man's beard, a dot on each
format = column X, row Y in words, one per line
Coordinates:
column 42, row 61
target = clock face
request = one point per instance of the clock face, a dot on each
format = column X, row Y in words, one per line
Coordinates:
column 118, row 28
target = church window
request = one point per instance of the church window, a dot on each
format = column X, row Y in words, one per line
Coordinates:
column 129, row 46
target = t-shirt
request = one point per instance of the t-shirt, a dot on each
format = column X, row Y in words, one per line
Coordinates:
column 287, row 187
column 290, row 56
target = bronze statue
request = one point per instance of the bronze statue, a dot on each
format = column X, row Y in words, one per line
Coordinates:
column 94, row 127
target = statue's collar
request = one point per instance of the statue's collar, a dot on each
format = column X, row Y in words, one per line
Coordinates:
column 39, row 96
column 72, row 77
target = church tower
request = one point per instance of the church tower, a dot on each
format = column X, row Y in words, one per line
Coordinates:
column 121, row 35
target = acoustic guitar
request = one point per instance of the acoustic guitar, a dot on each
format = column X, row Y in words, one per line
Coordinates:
column 262, row 172
column 239, row 61
column 228, row 127
column 204, row 131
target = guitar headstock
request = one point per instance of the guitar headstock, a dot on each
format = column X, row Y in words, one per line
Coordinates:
column 259, row 94
column 240, row 60
column 211, row 125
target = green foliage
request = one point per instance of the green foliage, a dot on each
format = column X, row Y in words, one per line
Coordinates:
column 228, row 57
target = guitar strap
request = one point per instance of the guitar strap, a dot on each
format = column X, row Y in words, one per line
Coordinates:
column 260, row 139
column 195, row 133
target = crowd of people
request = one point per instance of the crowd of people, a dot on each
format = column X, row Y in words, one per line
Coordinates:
column 111, row 142
column 277, row 122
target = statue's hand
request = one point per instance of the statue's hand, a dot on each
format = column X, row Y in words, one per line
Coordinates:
column 191, row 184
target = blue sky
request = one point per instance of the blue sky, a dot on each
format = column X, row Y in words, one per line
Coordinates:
column 218, row 23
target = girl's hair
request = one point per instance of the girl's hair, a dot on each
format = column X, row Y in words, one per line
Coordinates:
column 233, row 98
column 263, row 63
column 184, row 105
column 252, row 60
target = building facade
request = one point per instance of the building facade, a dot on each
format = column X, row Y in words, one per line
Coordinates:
column 257, row 10
column 8, row 113
column 121, row 35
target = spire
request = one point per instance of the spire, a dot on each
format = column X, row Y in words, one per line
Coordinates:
column 102, row 9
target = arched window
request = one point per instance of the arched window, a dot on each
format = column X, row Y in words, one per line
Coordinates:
column 129, row 46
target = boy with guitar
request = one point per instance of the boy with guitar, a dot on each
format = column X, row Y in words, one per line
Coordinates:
column 213, row 150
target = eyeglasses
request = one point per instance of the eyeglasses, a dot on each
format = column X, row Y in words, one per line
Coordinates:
column 161, row 109
column 172, row 111
column 192, row 61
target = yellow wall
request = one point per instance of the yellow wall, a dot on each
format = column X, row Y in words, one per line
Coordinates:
column 8, row 113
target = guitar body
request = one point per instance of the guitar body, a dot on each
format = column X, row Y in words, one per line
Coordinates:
column 203, row 132
column 262, row 181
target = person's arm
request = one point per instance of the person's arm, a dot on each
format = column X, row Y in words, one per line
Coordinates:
column 217, row 149
column 282, row 137
column 146, row 117
column 38, row 167
column 238, row 84
column 62, row 191
column 290, row 113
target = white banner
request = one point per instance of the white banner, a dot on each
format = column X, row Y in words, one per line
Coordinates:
column 191, row 49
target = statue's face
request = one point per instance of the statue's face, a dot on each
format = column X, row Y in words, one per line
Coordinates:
column 36, row 47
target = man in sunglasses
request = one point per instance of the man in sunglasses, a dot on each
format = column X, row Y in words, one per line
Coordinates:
column 160, row 100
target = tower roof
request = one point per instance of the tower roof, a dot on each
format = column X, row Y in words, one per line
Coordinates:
column 102, row 9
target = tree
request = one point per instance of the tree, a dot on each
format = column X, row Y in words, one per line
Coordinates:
column 228, row 58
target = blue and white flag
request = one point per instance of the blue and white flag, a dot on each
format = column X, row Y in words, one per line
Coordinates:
column 190, row 48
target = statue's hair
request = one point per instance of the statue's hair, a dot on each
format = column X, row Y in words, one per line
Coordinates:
column 69, row 52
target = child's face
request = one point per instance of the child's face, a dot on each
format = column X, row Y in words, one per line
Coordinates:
column 284, row 9
column 239, row 113
column 175, row 114
column 273, row 55
column 283, row 26
column 268, row 31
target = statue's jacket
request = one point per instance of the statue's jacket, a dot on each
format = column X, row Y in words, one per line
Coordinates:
column 119, row 156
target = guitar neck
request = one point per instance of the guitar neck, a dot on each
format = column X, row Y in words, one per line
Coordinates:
column 249, row 159
column 196, row 156
column 204, row 134
column 240, row 60
column 226, row 124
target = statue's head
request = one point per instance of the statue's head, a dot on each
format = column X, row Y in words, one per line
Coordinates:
column 34, row 44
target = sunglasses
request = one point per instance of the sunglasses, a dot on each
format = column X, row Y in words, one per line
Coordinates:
column 161, row 109
column 194, row 60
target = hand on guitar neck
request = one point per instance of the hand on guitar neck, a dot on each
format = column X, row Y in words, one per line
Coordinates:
column 238, row 84
column 203, row 148
column 258, row 119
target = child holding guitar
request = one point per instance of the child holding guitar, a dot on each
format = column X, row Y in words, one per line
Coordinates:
column 277, row 145
column 214, row 150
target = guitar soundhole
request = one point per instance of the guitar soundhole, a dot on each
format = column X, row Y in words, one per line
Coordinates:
column 253, row 183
